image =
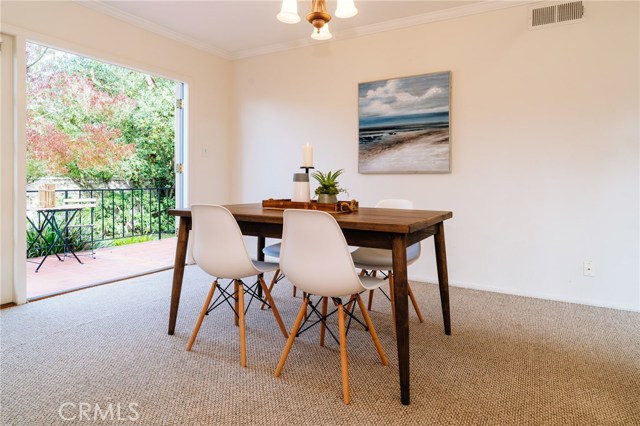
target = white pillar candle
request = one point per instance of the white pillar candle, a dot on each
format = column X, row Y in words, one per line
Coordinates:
column 308, row 155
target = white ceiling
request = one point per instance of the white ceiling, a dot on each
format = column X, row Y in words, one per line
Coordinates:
column 241, row 28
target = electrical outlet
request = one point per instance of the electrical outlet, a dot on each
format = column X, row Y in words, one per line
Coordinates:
column 588, row 269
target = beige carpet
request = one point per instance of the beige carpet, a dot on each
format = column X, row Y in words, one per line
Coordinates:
column 510, row 361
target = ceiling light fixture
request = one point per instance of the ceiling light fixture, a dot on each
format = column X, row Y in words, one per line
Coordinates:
column 318, row 15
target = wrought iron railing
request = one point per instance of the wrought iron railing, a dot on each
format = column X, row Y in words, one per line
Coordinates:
column 118, row 213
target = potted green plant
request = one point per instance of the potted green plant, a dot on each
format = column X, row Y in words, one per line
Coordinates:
column 328, row 190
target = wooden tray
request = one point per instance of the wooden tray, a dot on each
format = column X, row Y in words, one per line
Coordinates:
column 339, row 207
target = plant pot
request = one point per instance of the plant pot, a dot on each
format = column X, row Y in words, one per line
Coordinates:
column 327, row 198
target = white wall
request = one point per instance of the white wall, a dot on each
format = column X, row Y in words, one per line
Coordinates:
column 545, row 143
column 70, row 26
column 544, row 133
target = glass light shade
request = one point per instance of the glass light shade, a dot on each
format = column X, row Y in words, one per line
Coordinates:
column 289, row 12
column 324, row 33
column 346, row 9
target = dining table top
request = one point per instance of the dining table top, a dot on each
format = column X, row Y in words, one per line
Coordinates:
column 399, row 221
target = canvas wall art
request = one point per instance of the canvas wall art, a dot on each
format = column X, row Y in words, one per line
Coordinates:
column 404, row 125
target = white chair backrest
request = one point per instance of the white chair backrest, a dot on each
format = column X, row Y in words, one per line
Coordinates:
column 395, row 203
column 314, row 255
column 218, row 247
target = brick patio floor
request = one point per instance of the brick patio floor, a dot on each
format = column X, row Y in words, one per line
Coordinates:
column 110, row 264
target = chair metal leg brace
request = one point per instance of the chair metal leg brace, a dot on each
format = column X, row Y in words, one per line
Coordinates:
column 239, row 310
column 252, row 292
column 226, row 296
column 349, row 309
column 322, row 319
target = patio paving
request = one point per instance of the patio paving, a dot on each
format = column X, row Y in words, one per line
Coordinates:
column 110, row 264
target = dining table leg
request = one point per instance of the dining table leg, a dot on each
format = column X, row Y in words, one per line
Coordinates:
column 400, row 299
column 443, row 277
column 178, row 270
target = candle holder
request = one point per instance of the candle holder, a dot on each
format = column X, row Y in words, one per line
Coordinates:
column 306, row 169
column 301, row 190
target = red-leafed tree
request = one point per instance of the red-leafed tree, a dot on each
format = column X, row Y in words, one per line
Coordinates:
column 73, row 128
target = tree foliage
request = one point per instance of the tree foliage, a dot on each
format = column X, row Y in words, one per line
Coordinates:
column 94, row 122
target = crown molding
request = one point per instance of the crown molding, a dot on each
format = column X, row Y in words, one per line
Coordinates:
column 104, row 8
column 396, row 24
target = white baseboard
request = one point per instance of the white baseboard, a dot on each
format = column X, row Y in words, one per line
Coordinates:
column 534, row 294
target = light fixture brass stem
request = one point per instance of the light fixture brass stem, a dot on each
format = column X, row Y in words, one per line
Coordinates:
column 318, row 15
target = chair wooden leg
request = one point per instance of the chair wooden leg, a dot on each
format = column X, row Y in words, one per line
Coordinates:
column 235, row 304
column 243, row 343
column 415, row 304
column 344, row 362
column 372, row 331
column 203, row 312
column 271, row 284
column 292, row 336
column 370, row 299
column 323, row 323
column 276, row 314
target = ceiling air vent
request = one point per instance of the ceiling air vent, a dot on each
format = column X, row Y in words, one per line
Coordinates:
column 542, row 17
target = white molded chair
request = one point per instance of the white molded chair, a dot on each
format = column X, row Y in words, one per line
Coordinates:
column 372, row 259
column 273, row 250
column 313, row 241
column 218, row 248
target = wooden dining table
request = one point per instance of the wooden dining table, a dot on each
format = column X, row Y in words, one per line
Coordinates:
column 392, row 229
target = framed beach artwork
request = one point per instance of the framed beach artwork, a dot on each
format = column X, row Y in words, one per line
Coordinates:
column 404, row 125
